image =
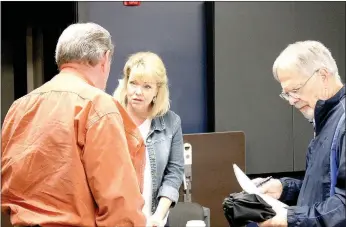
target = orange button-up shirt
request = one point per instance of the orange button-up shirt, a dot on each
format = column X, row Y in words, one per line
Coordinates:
column 71, row 156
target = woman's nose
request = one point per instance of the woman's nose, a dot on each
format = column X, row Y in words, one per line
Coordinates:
column 138, row 90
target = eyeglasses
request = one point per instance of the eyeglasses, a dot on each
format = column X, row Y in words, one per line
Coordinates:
column 286, row 95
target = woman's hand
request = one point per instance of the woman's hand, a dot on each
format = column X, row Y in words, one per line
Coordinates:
column 154, row 221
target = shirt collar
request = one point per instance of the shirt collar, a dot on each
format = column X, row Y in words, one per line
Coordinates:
column 68, row 70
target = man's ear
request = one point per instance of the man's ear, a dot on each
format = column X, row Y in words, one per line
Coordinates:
column 324, row 73
column 107, row 55
column 105, row 60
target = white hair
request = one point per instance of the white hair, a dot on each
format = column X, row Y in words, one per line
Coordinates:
column 84, row 43
column 305, row 57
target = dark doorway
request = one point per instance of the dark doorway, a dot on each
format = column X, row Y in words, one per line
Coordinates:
column 34, row 24
column 39, row 23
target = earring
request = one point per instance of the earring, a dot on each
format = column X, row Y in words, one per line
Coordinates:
column 154, row 99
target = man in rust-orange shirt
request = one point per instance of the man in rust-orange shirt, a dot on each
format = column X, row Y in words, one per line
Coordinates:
column 70, row 154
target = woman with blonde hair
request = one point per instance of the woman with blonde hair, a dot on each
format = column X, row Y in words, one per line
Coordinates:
column 144, row 93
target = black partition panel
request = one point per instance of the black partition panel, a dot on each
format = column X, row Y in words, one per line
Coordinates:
column 248, row 38
column 330, row 30
column 175, row 31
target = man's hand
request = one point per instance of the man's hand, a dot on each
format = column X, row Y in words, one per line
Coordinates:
column 272, row 188
column 280, row 220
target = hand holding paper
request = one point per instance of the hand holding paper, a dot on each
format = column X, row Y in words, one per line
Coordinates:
column 272, row 188
column 249, row 187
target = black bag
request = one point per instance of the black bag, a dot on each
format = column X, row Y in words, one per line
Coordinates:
column 241, row 209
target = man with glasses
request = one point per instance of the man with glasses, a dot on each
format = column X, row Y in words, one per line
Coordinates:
column 310, row 82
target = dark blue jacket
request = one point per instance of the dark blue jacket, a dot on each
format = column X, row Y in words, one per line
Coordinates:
column 315, row 206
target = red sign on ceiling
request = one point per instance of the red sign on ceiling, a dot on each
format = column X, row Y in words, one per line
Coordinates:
column 131, row 3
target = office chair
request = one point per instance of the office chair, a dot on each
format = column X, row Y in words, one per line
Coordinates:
column 184, row 212
column 188, row 210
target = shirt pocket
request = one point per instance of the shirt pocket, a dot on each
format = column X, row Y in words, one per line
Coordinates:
column 159, row 138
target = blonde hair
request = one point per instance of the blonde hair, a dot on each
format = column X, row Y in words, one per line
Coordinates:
column 146, row 65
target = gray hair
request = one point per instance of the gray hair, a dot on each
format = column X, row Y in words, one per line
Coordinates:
column 305, row 57
column 84, row 43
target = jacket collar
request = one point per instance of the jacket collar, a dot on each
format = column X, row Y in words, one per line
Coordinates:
column 158, row 123
column 324, row 108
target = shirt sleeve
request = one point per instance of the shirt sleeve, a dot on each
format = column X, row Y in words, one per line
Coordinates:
column 111, row 175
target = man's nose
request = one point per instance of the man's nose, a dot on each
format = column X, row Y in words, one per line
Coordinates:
column 292, row 100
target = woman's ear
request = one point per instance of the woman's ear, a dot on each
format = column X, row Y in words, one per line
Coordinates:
column 154, row 100
column 127, row 72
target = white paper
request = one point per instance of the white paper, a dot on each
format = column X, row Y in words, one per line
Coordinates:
column 249, row 187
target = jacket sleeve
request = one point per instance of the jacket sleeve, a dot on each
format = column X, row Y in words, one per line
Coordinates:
column 111, row 176
column 291, row 188
column 329, row 213
column 173, row 176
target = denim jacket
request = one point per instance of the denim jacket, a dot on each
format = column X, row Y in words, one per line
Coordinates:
column 166, row 153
